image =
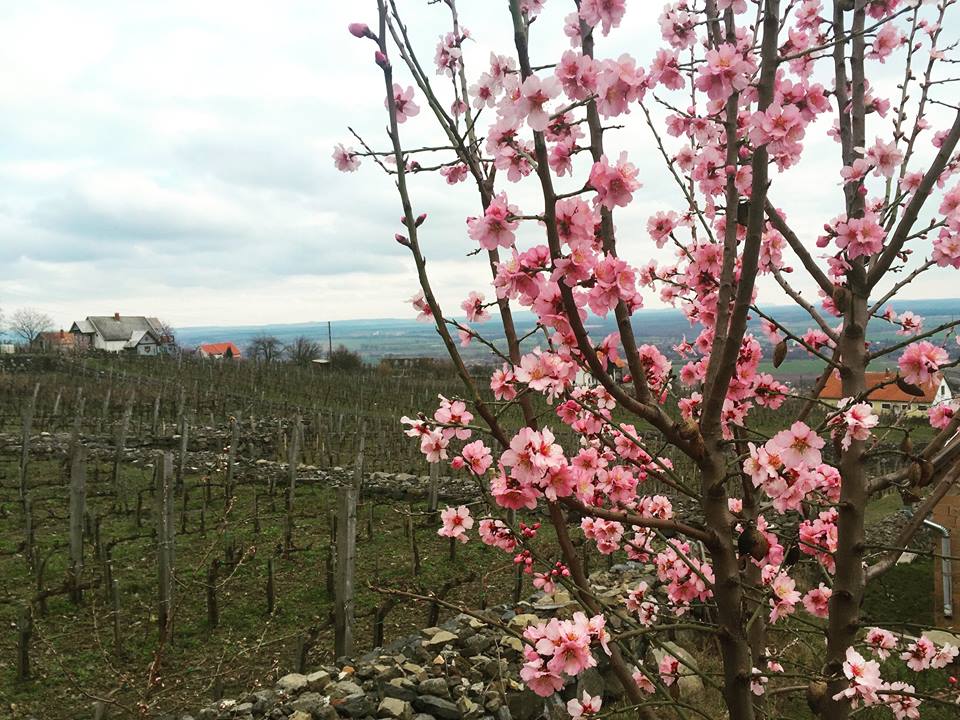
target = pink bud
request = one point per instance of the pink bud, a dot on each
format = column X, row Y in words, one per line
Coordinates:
column 359, row 30
column 380, row 59
column 402, row 240
column 420, row 219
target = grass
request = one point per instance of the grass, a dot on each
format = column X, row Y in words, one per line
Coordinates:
column 73, row 656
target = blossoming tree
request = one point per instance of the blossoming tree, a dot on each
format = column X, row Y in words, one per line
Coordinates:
column 761, row 541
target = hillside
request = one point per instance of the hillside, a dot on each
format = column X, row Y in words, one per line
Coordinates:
column 378, row 338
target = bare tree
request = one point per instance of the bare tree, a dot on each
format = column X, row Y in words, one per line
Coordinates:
column 28, row 323
column 344, row 359
column 168, row 335
column 265, row 347
column 303, row 350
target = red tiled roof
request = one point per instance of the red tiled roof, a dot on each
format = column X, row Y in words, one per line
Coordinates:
column 888, row 393
column 220, row 349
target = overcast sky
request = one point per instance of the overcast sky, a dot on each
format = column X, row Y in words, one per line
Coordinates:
column 173, row 159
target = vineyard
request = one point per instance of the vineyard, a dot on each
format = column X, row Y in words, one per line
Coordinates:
column 170, row 529
column 121, row 596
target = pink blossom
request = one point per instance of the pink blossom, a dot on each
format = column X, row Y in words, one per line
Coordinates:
column 864, row 677
column 885, row 158
column 887, row 40
column 619, row 83
column 784, row 596
column 903, row 706
column 474, row 309
column 726, row 71
column 945, row 655
column 881, row 642
column 454, row 174
column 422, row 307
column 860, row 236
column 669, row 668
column 496, row 534
column 941, row 414
column 921, row 361
column 855, row 421
column 817, row 601
column 537, row 677
column 799, row 446
column 919, row 654
column 403, row 99
column 586, row 706
column 477, row 457
column 434, row 446
column 946, row 248
column 534, row 94
column 614, row 184
column 456, row 523
column 345, row 159
column 495, row 228
column 643, row 682
column 665, row 70
column 607, row 13
column 501, row 383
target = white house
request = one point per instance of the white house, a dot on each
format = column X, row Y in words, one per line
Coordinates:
column 132, row 333
column 887, row 398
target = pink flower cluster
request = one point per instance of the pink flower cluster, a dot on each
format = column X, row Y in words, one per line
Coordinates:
column 560, row 648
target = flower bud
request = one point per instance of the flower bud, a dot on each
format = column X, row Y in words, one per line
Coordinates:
column 420, row 219
column 401, row 239
column 380, row 59
column 359, row 30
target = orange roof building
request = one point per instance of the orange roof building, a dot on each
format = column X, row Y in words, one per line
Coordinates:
column 888, row 397
column 219, row 351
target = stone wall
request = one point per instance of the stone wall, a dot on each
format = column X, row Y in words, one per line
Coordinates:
column 465, row 669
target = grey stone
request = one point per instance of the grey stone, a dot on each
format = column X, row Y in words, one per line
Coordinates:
column 343, row 688
column 438, row 707
column 309, row 701
column 440, row 639
column 524, row 705
column 435, row 686
column 318, row 680
column 355, row 706
column 292, row 683
column 394, row 708
column 399, row 688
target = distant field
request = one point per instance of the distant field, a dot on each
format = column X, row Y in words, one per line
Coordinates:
column 378, row 338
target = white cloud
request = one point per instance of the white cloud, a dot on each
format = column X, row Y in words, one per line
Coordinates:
column 174, row 159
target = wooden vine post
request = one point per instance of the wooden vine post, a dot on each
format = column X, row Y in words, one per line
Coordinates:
column 78, row 501
column 346, row 560
column 165, row 543
column 26, row 430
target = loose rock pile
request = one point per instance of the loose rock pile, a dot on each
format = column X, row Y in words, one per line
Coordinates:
column 463, row 670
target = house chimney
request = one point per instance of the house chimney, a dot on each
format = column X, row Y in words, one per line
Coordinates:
column 116, row 316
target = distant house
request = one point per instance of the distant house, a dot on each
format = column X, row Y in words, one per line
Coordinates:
column 134, row 334
column 219, row 351
column 890, row 399
column 57, row 341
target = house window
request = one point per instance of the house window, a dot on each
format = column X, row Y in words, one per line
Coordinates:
column 885, row 406
column 147, row 349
